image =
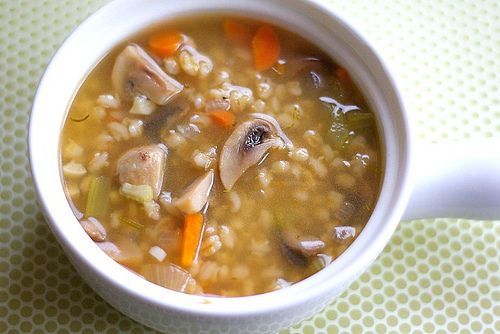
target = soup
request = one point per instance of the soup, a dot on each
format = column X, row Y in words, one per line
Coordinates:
column 221, row 156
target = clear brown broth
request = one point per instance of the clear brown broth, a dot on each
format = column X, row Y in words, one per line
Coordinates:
column 254, row 262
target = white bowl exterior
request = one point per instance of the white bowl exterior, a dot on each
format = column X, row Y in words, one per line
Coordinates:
column 172, row 311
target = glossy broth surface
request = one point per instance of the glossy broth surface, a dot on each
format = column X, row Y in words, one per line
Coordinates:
column 296, row 208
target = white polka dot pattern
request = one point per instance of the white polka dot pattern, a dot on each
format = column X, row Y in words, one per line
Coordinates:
column 435, row 276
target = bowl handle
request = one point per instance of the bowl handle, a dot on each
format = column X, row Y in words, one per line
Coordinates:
column 460, row 180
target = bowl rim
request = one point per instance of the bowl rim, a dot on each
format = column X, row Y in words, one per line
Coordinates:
column 316, row 285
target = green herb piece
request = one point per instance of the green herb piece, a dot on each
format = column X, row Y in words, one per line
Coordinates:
column 131, row 222
column 98, row 197
column 80, row 119
column 296, row 115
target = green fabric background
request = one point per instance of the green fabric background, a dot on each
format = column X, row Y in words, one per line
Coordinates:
column 435, row 276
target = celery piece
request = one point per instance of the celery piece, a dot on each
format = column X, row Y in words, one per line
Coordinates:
column 98, row 197
column 358, row 120
column 140, row 193
column 131, row 222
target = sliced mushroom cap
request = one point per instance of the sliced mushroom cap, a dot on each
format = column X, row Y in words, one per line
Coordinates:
column 143, row 165
column 277, row 128
column 248, row 144
column 304, row 244
column 293, row 257
column 136, row 73
column 164, row 118
column 194, row 198
column 311, row 71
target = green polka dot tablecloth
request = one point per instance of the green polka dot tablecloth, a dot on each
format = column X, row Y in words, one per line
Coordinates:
column 435, row 276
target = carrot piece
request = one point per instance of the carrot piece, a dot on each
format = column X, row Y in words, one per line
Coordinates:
column 222, row 118
column 237, row 32
column 266, row 48
column 165, row 44
column 342, row 74
column 191, row 236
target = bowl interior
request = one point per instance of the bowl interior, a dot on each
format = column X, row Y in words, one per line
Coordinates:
column 105, row 29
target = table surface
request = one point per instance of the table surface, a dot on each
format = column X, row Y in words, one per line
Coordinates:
column 434, row 276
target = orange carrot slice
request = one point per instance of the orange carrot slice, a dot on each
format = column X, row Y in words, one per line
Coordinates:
column 222, row 118
column 237, row 32
column 342, row 74
column 165, row 44
column 266, row 48
column 191, row 235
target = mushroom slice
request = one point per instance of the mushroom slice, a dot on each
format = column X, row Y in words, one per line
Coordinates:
column 143, row 165
column 299, row 249
column 277, row 128
column 310, row 71
column 194, row 198
column 136, row 73
column 164, row 119
column 248, row 144
column 306, row 245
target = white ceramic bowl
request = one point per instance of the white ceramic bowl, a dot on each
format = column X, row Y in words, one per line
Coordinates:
column 169, row 310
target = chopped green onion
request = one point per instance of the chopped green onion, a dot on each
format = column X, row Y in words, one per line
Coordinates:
column 131, row 222
column 97, row 199
column 140, row 193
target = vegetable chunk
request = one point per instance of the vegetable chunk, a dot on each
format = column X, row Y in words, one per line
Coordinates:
column 191, row 237
column 135, row 73
column 196, row 194
column 266, row 48
column 144, row 165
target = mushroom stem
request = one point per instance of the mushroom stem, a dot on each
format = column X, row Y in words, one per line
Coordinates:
column 143, row 165
column 194, row 198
